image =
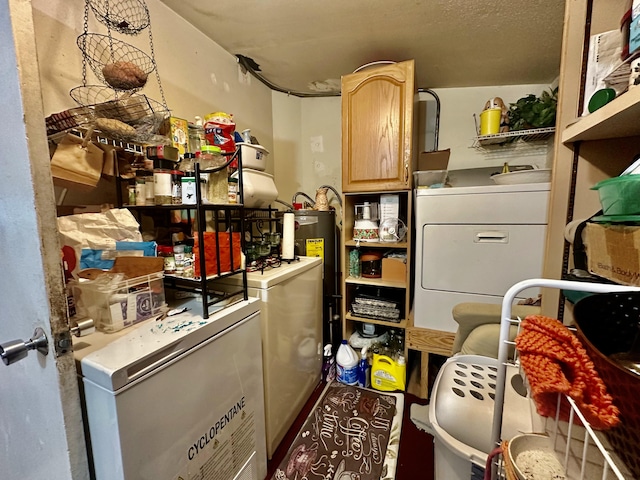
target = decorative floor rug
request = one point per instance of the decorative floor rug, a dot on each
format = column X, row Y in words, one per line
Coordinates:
column 351, row 433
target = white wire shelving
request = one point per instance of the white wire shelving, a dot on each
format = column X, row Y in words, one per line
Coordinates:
column 529, row 135
column 584, row 452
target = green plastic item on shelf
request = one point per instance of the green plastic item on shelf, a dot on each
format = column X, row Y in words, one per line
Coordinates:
column 600, row 98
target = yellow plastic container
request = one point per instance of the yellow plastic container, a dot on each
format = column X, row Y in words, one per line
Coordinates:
column 490, row 121
column 388, row 375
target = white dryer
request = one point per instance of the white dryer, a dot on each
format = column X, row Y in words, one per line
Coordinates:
column 473, row 243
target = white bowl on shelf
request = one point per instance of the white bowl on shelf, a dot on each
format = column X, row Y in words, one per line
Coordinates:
column 540, row 175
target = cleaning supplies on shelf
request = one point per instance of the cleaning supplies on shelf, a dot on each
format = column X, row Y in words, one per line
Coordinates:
column 388, row 374
column 328, row 365
column 347, row 364
column 364, row 378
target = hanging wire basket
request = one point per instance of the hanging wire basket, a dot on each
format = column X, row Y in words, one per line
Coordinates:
column 142, row 113
column 116, row 63
column 86, row 95
column 125, row 16
column 69, row 119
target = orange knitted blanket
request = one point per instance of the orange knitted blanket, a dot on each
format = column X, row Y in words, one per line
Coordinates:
column 555, row 362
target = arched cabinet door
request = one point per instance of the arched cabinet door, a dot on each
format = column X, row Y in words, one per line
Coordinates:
column 378, row 145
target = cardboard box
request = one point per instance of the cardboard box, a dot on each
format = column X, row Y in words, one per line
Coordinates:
column 438, row 160
column 177, row 129
column 613, row 252
column 394, row 269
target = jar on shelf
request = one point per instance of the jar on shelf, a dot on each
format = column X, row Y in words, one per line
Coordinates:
column 233, row 190
column 131, row 193
column 166, row 252
column 141, row 193
column 354, row 263
column 188, row 271
column 162, row 186
column 149, row 187
column 176, row 187
column 371, row 265
column 186, row 165
column 178, row 255
column 217, row 185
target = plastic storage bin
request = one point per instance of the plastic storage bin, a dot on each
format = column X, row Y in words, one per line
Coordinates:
column 429, row 178
column 114, row 306
column 259, row 189
column 253, row 156
column 619, row 195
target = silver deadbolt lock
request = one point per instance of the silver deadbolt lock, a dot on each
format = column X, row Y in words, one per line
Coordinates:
column 16, row 350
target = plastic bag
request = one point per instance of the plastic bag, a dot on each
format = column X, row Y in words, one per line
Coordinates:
column 219, row 129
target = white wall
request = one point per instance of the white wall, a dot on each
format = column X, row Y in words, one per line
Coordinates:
column 457, row 127
column 307, row 145
column 287, row 131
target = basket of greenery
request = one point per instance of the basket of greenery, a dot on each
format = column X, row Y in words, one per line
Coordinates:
column 532, row 111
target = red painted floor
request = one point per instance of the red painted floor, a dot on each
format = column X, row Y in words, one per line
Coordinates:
column 415, row 460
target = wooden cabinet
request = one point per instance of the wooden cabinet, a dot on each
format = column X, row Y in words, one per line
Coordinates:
column 587, row 149
column 378, row 145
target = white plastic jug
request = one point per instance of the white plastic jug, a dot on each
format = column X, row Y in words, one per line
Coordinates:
column 347, row 364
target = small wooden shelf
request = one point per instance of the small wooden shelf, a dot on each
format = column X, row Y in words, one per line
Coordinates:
column 386, row 245
column 353, row 318
column 376, row 282
column 617, row 119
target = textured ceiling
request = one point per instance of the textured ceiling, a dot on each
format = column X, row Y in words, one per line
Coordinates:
column 300, row 45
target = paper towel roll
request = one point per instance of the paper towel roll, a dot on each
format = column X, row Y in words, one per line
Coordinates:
column 288, row 227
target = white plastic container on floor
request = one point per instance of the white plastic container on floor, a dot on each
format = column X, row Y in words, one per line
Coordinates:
column 347, row 364
column 461, row 414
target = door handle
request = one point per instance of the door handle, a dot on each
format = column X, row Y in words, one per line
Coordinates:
column 16, row 350
column 491, row 237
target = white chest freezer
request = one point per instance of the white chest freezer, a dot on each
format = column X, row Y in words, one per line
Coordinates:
column 473, row 243
column 180, row 398
column 291, row 318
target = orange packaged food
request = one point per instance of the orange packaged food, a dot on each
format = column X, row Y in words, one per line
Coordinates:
column 211, row 240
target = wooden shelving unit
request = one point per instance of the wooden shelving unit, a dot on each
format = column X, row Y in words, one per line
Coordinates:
column 617, row 119
column 588, row 148
column 390, row 288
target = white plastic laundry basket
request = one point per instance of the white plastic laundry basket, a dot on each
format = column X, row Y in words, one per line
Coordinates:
column 461, row 413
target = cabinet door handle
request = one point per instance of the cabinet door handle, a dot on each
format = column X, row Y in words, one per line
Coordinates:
column 406, row 173
column 491, row 237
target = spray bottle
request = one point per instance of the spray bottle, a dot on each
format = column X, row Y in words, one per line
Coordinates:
column 364, row 371
column 328, row 365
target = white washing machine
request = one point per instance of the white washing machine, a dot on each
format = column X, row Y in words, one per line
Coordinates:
column 473, row 243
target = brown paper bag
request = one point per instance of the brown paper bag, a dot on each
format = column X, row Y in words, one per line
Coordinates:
column 110, row 156
column 77, row 162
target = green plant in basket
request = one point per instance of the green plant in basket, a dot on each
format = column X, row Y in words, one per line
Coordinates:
column 534, row 112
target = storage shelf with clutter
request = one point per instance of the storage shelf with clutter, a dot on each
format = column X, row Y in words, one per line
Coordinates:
column 530, row 119
column 376, row 256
